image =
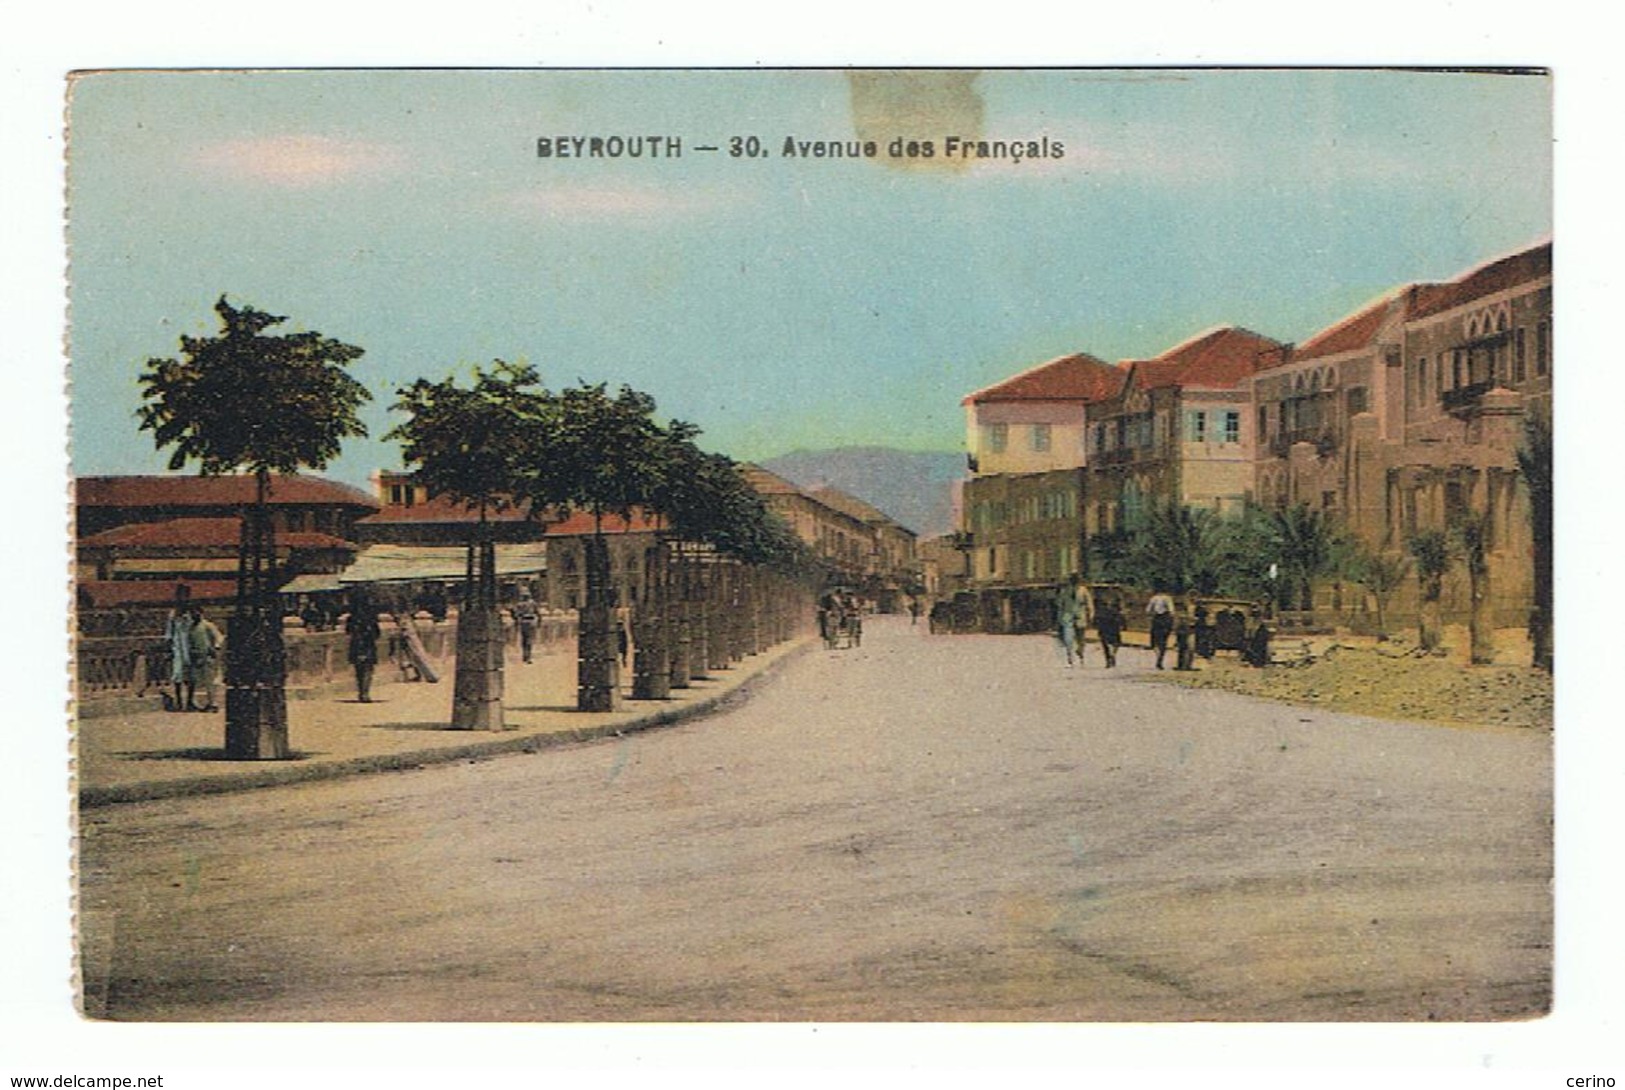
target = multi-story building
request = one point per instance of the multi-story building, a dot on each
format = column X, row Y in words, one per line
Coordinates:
column 1021, row 507
column 1327, row 409
column 1033, row 422
column 842, row 542
column 1405, row 416
column 1179, row 431
column 892, row 568
column 1477, row 361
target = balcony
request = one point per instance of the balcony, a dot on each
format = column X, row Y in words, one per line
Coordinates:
column 1464, row 399
column 1123, row 455
column 1325, row 441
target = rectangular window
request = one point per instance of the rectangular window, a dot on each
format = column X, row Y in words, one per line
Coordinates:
column 1420, row 395
column 1520, row 365
column 1040, row 438
column 1195, row 426
column 998, row 437
column 1457, row 380
column 1232, row 426
column 1438, row 377
column 1355, row 400
column 1543, row 348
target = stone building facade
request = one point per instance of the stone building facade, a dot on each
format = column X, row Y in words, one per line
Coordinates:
column 1180, row 430
column 1406, row 416
column 1022, row 506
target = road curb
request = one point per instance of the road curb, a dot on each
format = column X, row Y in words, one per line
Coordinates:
column 283, row 773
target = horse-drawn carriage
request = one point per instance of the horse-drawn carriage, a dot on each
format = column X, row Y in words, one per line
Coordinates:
column 840, row 620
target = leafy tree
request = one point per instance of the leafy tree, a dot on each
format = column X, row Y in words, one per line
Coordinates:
column 246, row 400
column 473, row 445
column 602, row 453
column 1380, row 574
column 1535, row 464
column 1431, row 551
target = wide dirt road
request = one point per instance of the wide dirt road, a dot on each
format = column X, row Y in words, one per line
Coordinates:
column 924, row 828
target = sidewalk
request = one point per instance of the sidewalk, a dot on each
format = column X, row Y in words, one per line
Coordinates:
column 158, row 754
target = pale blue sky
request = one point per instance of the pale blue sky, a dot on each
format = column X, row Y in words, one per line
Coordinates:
column 776, row 303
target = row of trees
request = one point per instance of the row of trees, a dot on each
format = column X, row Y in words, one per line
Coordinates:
column 507, row 441
column 251, row 401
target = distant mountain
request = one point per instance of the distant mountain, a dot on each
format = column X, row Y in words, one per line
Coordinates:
column 913, row 487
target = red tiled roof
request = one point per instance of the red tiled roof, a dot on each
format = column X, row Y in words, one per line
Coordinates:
column 1487, row 279
column 1079, row 377
column 109, row 593
column 196, row 491
column 1218, row 358
column 579, row 523
column 442, row 509
column 1358, row 330
column 200, row 533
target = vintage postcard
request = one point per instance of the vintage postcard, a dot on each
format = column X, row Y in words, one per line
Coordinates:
column 1062, row 545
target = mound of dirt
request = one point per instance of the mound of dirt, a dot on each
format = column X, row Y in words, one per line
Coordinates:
column 1391, row 680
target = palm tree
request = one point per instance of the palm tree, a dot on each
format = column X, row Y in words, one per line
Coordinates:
column 245, row 400
column 1305, row 539
column 472, row 446
column 1431, row 551
column 1178, row 548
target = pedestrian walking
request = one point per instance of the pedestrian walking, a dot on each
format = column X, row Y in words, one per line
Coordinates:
column 1109, row 624
column 362, row 628
column 203, row 668
column 1207, row 637
column 1258, row 641
column 1184, row 638
column 527, row 617
column 1074, row 609
column 1161, row 611
column 178, row 634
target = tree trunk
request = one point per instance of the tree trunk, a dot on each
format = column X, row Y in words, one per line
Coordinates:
column 681, row 609
column 1429, row 619
column 256, row 666
column 651, row 679
column 598, row 670
column 1481, row 627
column 477, row 691
column 699, row 622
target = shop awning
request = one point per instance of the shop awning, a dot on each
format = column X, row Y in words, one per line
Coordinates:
column 438, row 563
column 312, row 583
